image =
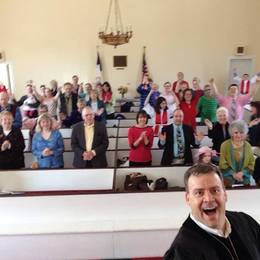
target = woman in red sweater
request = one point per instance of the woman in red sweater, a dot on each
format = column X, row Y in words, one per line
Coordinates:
column 140, row 139
column 189, row 107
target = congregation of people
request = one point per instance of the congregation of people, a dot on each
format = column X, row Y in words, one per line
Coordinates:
column 172, row 113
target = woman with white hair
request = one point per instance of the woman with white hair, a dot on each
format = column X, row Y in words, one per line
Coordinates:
column 218, row 131
column 236, row 156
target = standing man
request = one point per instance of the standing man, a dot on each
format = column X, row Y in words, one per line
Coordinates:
column 244, row 82
column 75, row 84
column 68, row 100
column 211, row 232
column 177, row 139
column 89, row 142
column 234, row 101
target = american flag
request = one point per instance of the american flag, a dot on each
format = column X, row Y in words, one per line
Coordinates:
column 98, row 69
column 145, row 67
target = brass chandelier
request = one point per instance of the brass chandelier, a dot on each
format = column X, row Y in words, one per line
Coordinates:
column 117, row 35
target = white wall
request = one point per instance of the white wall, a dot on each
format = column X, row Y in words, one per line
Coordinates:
column 57, row 38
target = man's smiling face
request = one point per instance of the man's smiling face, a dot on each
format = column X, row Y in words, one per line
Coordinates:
column 207, row 198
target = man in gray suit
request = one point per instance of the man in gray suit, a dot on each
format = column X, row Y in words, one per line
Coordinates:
column 89, row 142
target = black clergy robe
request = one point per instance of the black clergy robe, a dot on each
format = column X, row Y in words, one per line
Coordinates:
column 194, row 243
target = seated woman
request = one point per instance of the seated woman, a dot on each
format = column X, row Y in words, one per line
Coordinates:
column 140, row 139
column 97, row 106
column 47, row 144
column 11, row 143
column 236, row 156
column 218, row 131
column 107, row 97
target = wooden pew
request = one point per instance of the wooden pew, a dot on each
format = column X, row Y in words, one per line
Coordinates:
column 44, row 180
column 126, row 225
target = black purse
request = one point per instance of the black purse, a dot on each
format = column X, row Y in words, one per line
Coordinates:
column 136, row 182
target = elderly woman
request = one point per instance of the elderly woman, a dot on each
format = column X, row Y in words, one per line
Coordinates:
column 218, row 131
column 236, row 156
column 47, row 144
column 11, row 143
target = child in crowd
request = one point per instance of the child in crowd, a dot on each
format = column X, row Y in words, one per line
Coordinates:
column 152, row 96
column 205, row 155
column 144, row 90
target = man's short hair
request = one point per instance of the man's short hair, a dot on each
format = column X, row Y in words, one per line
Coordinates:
column 201, row 169
column 177, row 109
column 67, row 83
column 232, row 85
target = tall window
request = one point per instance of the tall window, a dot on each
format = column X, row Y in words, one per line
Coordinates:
column 5, row 75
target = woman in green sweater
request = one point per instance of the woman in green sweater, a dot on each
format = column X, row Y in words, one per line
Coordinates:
column 236, row 156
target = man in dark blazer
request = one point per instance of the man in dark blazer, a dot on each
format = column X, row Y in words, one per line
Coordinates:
column 68, row 100
column 89, row 142
column 167, row 140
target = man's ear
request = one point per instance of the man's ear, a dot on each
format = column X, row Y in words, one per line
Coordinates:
column 187, row 198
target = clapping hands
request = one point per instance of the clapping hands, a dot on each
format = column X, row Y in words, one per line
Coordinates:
column 47, row 152
column 5, row 145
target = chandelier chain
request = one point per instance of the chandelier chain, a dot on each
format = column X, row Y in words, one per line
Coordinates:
column 109, row 14
column 119, row 25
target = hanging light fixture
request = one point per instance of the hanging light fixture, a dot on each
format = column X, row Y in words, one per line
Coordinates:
column 117, row 35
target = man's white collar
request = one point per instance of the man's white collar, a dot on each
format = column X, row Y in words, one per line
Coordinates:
column 214, row 231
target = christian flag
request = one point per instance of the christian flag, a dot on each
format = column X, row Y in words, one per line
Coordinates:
column 145, row 67
column 98, row 69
